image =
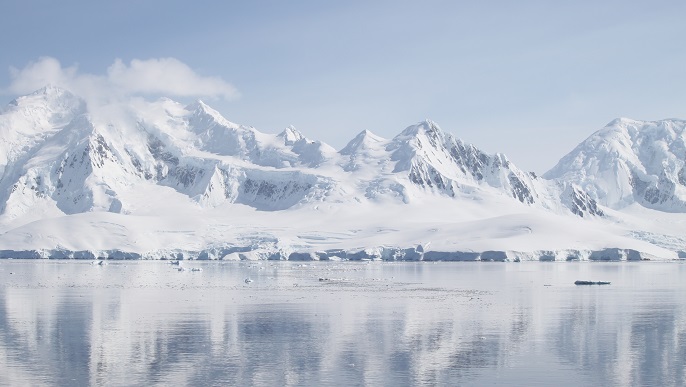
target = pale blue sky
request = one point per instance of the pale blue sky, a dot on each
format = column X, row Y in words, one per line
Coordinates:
column 529, row 79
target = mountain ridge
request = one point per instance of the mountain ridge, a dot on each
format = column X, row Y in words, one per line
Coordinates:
column 160, row 159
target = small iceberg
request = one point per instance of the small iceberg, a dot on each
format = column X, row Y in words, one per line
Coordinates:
column 591, row 283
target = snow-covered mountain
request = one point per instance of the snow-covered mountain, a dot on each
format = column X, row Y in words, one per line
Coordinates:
column 160, row 179
column 629, row 162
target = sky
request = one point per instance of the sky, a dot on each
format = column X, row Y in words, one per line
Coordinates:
column 530, row 79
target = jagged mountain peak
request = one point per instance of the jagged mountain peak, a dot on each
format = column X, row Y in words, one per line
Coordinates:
column 198, row 105
column 203, row 116
column 439, row 162
column 291, row 135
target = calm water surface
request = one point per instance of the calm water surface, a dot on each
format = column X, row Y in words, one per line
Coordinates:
column 145, row 323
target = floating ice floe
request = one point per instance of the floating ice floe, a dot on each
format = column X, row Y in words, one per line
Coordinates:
column 580, row 282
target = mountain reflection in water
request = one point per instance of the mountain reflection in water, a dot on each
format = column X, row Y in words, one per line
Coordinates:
column 145, row 323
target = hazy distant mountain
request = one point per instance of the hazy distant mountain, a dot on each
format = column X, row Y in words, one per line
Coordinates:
column 97, row 179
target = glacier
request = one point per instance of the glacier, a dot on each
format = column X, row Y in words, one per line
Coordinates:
column 161, row 180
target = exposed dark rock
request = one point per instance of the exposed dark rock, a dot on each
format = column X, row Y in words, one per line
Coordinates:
column 581, row 203
column 520, row 190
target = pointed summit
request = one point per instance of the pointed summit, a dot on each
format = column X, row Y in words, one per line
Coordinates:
column 426, row 126
column 200, row 107
column 196, row 105
column 291, row 135
column 364, row 140
column 202, row 116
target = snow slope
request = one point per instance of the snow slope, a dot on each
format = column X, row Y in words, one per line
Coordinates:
column 157, row 179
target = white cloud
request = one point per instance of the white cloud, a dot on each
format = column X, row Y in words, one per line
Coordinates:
column 165, row 76
column 40, row 73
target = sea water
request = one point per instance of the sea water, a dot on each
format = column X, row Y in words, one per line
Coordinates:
column 342, row 323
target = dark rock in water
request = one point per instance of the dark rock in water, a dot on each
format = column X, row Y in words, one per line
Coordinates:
column 591, row 283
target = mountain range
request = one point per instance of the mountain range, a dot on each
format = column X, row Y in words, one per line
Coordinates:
column 157, row 179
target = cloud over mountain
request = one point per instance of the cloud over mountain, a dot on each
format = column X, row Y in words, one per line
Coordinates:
column 165, row 76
